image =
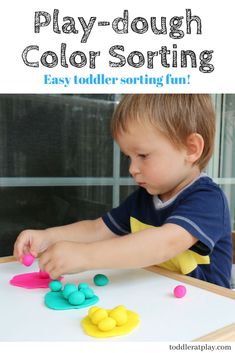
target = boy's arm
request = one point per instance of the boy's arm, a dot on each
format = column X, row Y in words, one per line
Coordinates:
column 37, row 241
column 141, row 249
column 83, row 231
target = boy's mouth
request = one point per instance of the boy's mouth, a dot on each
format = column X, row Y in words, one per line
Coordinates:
column 141, row 184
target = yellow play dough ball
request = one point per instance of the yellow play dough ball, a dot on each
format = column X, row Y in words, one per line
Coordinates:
column 106, row 324
column 119, row 314
column 99, row 315
column 92, row 310
column 120, row 307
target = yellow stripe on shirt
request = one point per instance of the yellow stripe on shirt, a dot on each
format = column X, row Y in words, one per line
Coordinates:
column 184, row 263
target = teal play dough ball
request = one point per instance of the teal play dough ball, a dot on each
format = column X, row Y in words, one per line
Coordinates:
column 83, row 285
column 76, row 298
column 88, row 292
column 55, row 286
column 68, row 289
column 101, row 280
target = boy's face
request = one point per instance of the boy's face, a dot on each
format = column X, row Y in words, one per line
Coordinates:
column 155, row 163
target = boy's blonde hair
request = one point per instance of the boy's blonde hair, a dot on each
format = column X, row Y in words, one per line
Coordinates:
column 175, row 115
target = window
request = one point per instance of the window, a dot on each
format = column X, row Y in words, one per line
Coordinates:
column 222, row 166
column 59, row 164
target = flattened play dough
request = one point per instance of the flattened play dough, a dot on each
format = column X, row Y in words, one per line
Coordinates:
column 43, row 274
column 31, row 280
column 56, row 301
column 105, row 327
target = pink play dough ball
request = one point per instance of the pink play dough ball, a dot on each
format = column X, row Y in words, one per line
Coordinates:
column 28, row 260
column 179, row 291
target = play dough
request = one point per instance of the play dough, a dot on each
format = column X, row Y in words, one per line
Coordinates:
column 76, row 298
column 119, row 315
column 55, row 286
column 179, row 291
column 68, row 289
column 43, row 274
column 31, row 280
column 83, row 285
column 101, row 280
column 28, row 260
column 71, row 297
column 103, row 323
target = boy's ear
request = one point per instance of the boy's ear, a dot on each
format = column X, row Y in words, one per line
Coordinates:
column 195, row 146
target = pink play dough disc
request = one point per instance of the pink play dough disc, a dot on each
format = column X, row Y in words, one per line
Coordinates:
column 31, row 280
column 43, row 274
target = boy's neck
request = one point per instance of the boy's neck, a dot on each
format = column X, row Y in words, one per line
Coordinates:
column 183, row 184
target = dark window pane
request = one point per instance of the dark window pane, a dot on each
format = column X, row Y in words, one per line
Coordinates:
column 124, row 166
column 43, row 207
column 227, row 169
column 55, row 135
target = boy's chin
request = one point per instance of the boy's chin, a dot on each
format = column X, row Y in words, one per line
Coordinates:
column 151, row 191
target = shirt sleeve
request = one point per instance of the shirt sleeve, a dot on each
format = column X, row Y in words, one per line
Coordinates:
column 118, row 219
column 202, row 214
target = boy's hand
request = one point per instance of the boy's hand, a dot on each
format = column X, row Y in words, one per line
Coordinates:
column 31, row 241
column 64, row 257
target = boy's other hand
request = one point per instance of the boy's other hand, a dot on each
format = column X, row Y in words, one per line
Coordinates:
column 30, row 241
column 64, row 257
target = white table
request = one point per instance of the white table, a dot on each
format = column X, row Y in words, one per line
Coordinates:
column 207, row 312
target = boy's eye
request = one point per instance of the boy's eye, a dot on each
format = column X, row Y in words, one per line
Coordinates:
column 127, row 158
column 142, row 155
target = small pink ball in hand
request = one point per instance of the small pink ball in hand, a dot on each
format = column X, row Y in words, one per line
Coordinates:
column 28, row 260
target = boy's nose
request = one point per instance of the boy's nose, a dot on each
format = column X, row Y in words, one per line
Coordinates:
column 133, row 169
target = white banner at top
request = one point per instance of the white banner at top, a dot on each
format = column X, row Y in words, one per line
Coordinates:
column 117, row 47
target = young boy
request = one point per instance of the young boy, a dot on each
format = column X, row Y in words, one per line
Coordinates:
column 179, row 216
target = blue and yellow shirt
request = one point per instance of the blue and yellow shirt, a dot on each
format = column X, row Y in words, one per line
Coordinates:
column 201, row 208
